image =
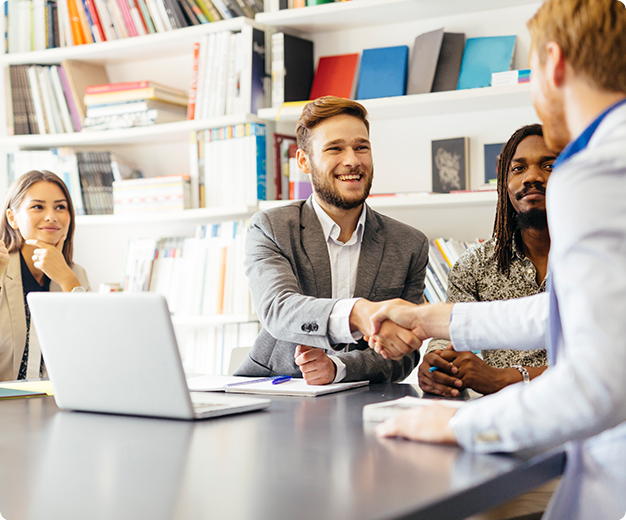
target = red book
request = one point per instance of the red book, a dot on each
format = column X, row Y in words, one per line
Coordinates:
column 95, row 19
column 193, row 86
column 335, row 76
column 126, row 85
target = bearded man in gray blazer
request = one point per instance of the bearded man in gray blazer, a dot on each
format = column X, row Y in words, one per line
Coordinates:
column 317, row 268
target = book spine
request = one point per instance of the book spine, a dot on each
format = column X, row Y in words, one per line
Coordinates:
column 65, row 27
column 135, row 14
column 128, row 19
column 204, row 10
column 60, row 97
column 145, row 14
column 71, row 102
column 77, row 30
column 193, row 85
column 163, row 14
column 96, row 24
column 117, row 18
column 156, row 16
column 85, row 21
column 189, row 16
column 104, row 18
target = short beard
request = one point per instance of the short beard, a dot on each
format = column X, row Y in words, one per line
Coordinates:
column 331, row 196
column 534, row 218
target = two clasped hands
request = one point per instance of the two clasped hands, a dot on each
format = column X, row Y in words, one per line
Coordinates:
column 428, row 423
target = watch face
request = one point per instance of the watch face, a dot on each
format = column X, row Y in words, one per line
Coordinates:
column 78, row 289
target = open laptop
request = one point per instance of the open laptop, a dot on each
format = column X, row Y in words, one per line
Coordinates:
column 117, row 353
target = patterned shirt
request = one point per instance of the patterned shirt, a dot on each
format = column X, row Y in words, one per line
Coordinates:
column 476, row 277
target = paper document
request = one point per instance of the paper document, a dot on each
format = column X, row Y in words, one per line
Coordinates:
column 296, row 386
column 31, row 386
column 378, row 412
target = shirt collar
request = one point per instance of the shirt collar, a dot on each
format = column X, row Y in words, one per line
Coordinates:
column 332, row 230
column 581, row 142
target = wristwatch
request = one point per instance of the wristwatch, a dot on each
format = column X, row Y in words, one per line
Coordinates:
column 524, row 372
column 78, row 288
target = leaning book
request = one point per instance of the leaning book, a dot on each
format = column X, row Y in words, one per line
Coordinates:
column 379, row 412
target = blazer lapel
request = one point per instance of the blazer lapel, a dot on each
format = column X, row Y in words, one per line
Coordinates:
column 15, row 301
column 316, row 250
column 372, row 249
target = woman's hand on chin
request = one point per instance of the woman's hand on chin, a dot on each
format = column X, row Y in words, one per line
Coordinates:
column 49, row 259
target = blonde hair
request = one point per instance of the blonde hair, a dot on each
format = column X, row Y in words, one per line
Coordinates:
column 321, row 109
column 592, row 35
column 12, row 238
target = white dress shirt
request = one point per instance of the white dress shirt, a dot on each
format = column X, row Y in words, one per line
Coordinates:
column 582, row 397
column 344, row 263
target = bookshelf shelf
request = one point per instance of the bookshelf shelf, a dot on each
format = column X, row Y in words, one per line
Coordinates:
column 129, row 49
column 436, row 103
column 415, row 200
column 165, row 132
column 199, row 216
column 366, row 13
column 217, row 319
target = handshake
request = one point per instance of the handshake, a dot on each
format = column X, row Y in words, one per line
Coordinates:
column 395, row 328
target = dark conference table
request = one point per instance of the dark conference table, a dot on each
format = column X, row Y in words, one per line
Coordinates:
column 303, row 458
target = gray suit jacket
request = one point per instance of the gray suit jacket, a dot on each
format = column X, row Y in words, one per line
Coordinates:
column 290, row 280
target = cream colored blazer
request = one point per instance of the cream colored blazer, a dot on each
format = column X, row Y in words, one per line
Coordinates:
column 13, row 317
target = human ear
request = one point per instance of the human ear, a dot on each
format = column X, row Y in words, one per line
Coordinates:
column 303, row 161
column 555, row 69
column 11, row 219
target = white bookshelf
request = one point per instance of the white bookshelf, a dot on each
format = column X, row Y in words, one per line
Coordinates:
column 368, row 13
column 189, row 216
column 149, row 134
column 130, row 49
column 420, row 105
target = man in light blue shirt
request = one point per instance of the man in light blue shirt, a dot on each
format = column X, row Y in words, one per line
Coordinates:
column 578, row 62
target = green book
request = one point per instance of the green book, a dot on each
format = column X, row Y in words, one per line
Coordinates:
column 319, row 2
column 11, row 393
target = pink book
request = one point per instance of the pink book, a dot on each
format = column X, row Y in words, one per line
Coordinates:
column 128, row 19
column 71, row 104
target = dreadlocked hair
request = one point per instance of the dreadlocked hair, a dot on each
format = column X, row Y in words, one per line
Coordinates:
column 505, row 224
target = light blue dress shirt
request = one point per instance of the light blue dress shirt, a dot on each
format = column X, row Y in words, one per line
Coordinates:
column 582, row 397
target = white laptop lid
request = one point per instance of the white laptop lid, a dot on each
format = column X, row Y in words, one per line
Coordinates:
column 114, row 353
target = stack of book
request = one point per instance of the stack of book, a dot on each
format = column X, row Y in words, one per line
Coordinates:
column 151, row 195
column 442, row 255
column 218, row 78
column 239, row 150
column 199, row 276
column 88, row 175
column 40, row 24
column 40, row 101
column 136, row 103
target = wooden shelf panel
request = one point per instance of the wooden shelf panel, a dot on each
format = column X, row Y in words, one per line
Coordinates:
column 366, row 13
column 418, row 105
column 165, row 132
column 129, row 49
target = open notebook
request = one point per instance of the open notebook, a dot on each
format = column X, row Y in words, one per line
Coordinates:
column 256, row 385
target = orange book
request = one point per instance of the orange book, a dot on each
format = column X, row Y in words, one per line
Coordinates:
column 84, row 23
column 222, row 283
column 335, row 76
column 193, row 86
column 77, row 31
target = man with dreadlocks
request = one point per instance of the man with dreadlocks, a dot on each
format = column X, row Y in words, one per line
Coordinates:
column 512, row 264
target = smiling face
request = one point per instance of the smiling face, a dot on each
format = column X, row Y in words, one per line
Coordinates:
column 43, row 214
column 528, row 175
column 340, row 162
